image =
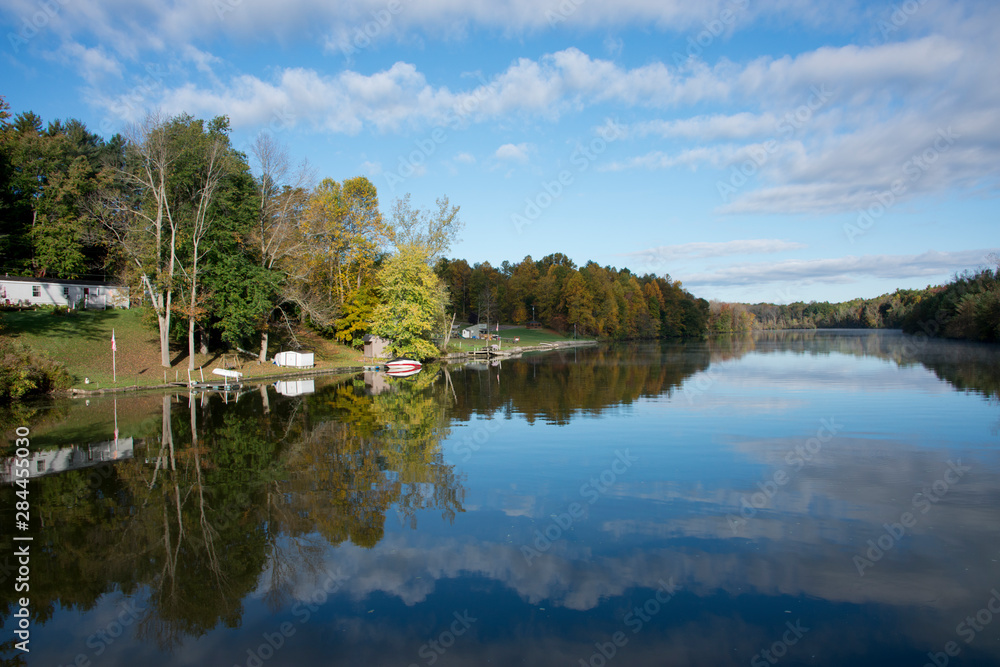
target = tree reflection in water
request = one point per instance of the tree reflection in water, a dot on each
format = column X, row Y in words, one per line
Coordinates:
column 223, row 493
column 224, row 500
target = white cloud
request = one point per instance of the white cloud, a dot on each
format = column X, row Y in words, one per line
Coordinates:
column 515, row 152
column 614, row 46
column 347, row 27
column 93, row 64
column 887, row 99
column 371, row 168
column 465, row 158
column 697, row 250
column 844, row 269
column 710, row 128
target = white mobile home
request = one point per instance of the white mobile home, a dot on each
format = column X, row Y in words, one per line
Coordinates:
column 51, row 461
column 71, row 293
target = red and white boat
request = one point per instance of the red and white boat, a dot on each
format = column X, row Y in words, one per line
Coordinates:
column 401, row 368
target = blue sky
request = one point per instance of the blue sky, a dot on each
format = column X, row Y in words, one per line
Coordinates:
column 756, row 150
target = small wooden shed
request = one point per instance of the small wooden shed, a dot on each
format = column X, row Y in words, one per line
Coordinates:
column 375, row 347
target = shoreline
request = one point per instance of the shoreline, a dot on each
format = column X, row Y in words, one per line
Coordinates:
column 449, row 358
column 254, row 380
column 516, row 351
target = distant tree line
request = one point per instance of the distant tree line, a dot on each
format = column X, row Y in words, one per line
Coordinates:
column 967, row 307
column 594, row 300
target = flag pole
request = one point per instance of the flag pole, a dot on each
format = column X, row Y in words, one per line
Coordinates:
column 114, row 365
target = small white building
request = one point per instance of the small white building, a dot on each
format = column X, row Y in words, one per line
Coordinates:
column 71, row 293
column 475, row 331
column 295, row 359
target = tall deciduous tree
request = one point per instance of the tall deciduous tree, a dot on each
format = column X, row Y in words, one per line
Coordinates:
column 162, row 212
column 140, row 218
column 205, row 160
column 434, row 231
column 343, row 239
column 283, row 193
column 411, row 304
column 46, row 176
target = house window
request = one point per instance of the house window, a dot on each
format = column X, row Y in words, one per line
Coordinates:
column 40, row 466
column 36, row 290
column 97, row 291
column 66, row 292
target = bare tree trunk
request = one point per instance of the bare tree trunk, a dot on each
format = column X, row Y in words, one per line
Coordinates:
column 264, row 400
column 164, row 322
column 191, row 343
column 263, row 347
column 447, row 333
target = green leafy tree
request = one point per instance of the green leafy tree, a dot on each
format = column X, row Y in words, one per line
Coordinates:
column 357, row 317
column 411, row 306
column 46, row 179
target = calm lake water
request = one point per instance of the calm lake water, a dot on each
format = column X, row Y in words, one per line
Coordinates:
column 822, row 498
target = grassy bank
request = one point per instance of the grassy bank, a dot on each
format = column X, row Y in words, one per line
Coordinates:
column 526, row 338
column 82, row 341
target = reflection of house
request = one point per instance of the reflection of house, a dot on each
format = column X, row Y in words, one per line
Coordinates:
column 53, row 461
column 75, row 293
column 375, row 347
column 295, row 387
column 376, row 382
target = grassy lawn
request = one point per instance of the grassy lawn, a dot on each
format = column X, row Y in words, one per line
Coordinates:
column 82, row 341
column 527, row 337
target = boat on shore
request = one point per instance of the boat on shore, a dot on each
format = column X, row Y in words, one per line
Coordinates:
column 402, row 367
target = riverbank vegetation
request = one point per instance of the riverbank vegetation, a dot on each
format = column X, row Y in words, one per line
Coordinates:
column 967, row 307
column 592, row 300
